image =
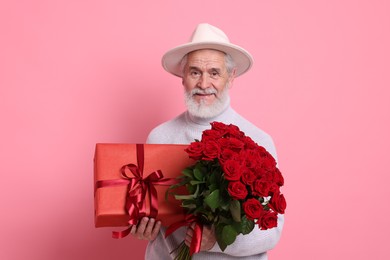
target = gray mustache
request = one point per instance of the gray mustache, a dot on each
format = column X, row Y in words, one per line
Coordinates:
column 203, row 91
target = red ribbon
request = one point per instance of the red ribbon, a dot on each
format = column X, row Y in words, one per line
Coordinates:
column 137, row 188
column 197, row 236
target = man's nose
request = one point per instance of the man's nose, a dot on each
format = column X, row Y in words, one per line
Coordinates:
column 204, row 81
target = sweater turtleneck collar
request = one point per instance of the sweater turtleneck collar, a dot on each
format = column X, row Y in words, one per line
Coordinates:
column 221, row 117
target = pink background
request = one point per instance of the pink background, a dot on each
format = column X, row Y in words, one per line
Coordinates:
column 74, row 73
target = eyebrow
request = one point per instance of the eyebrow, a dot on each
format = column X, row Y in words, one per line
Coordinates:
column 211, row 69
column 193, row 68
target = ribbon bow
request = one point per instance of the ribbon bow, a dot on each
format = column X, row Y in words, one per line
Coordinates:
column 198, row 229
column 137, row 188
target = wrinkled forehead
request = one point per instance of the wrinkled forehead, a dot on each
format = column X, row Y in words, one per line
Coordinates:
column 206, row 57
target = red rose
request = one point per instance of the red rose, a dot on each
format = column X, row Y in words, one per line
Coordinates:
column 252, row 208
column 224, row 143
column 274, row 188
column 227, row 154
column 261, row 188
column 251, row 158
column 268, row 220
column 278, row 203
column 220, row 127
column 262, row 151
column 211, row 150
column 234, row 131
column 195, row 150
column 249, row 143
column 248, row 176
column 210, row 135
column 262, row 173
column 268, row 162
column 278, row 177
column 237, row 190
column 235, row 144
column 232, row 170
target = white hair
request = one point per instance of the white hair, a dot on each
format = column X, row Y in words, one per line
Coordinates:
column 203, row 110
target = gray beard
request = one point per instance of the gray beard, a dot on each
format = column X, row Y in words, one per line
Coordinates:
column 202, row 110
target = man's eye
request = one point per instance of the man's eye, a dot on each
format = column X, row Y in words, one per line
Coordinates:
column 195, row 73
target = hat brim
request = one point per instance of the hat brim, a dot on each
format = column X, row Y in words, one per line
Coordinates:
column 171, row 60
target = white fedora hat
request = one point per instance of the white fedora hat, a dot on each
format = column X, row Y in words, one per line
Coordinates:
column 207, row 36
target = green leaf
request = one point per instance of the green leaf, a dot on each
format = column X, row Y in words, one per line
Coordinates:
column 247, row 225
column 218, row 233
column 171, row 190
column 235, row 210
column 213, row 199
column 222, row 245
column 229, row 234
column 237, row 226
column 198, row 174
column 212, row 178
column 196, row 182
column 213, row 187
column 191, row 188
column 177, row 185
column 224, row 203
column 188, row 172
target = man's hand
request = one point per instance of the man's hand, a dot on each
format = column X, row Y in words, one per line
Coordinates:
column 147, row 229
column 208, row 237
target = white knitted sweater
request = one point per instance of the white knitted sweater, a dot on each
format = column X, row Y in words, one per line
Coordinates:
column 183, row 130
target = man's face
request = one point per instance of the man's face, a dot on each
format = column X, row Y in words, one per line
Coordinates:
column 206, row 82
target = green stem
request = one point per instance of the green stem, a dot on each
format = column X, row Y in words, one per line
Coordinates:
column 183, row 252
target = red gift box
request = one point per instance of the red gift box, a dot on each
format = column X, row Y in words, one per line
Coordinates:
column 143, row 167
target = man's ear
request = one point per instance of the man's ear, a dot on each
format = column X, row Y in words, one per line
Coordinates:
column 232, row 76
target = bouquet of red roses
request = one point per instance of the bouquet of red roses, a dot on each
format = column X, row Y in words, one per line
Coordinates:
column 234, row 185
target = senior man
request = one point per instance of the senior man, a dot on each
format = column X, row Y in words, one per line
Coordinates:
column 207, row 66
